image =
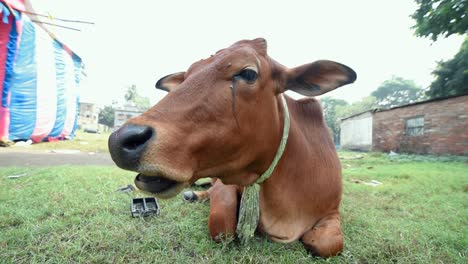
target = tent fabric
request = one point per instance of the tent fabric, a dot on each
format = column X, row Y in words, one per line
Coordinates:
column 5, row 29
column 23, row 86
column 9, row 32
column 71, row 96
column 60, row 82
column 46, row 89
column 78, row 73
column 39, row 80
column 16, row 4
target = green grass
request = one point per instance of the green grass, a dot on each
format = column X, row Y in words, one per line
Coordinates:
column 85, row 142
column 73, row 214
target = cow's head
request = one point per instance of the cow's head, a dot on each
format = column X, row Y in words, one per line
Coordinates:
column 221, row 118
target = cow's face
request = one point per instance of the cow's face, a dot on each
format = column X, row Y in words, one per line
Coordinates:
column 221, row 118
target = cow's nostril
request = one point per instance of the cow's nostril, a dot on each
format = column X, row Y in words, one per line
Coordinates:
column 139, row 138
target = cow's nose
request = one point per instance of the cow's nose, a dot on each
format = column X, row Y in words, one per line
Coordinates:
column 128, row 143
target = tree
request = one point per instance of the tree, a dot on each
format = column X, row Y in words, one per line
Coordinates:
column 106, row 116
column 365, row 104
column 451, row 76
column 435, row 18
column 397, row 91
column 132, row 96
column 329, row 106
column 131, row 93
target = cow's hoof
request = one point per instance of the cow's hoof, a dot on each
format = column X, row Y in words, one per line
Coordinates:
column 190, row 196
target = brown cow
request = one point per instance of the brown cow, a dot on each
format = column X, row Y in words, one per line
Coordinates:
column 223, row 118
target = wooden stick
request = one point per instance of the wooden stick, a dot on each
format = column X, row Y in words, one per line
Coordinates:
column 55, row 25
column 60, row 19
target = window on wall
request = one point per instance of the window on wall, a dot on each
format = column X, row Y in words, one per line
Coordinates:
column 415, row 126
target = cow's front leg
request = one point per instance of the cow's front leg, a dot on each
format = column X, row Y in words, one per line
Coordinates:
column 325, row 239
column 223, row 211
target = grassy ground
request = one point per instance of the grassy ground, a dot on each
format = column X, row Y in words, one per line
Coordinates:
column 85, row 142
column 73, row 214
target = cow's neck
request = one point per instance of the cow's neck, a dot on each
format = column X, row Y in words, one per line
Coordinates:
column 308, row 159
column 249, row 209
column 282, row 144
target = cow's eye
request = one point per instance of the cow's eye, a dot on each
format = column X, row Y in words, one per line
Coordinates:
column 248, row 75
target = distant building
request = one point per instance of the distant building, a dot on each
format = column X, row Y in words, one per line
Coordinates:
column 125, row 113
column 88, row 116
column 356, row 131
column 436, row 126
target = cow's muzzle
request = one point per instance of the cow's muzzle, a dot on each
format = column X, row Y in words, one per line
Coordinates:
column 154, row 184
column 127, row 144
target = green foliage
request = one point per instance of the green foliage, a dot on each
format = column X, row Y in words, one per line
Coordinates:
column 131, row 93
column 452, row 75
column 106, row 116
column 329, row 106
column 365, row 104
column 73, row 214
column 435, row 18
column 132, row 96
column 397, row 91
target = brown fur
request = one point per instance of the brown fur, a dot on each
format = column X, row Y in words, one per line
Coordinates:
column 200, row 134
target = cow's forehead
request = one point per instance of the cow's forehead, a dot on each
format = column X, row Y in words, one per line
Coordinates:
column 237, row 55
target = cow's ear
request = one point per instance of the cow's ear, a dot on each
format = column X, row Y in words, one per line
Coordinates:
column 318, row 77
column 170, row 82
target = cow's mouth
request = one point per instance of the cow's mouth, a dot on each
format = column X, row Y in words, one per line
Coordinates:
column 158, row 185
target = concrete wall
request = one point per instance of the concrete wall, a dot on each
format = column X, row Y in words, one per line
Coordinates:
column 445, row 128
column 356, row 132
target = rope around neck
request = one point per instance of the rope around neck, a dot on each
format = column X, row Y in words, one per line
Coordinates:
column 249, row 210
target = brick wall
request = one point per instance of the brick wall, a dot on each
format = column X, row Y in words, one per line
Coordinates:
column 445, row 128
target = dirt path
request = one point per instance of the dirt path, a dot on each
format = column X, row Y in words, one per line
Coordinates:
column 17, row 157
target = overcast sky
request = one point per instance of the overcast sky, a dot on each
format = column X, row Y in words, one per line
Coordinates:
column 137, row 42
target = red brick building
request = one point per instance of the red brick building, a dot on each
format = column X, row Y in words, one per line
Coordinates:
column 436, row 126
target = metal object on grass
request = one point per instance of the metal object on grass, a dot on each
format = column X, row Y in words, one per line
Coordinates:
column 126, row 189
column 142, row 207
